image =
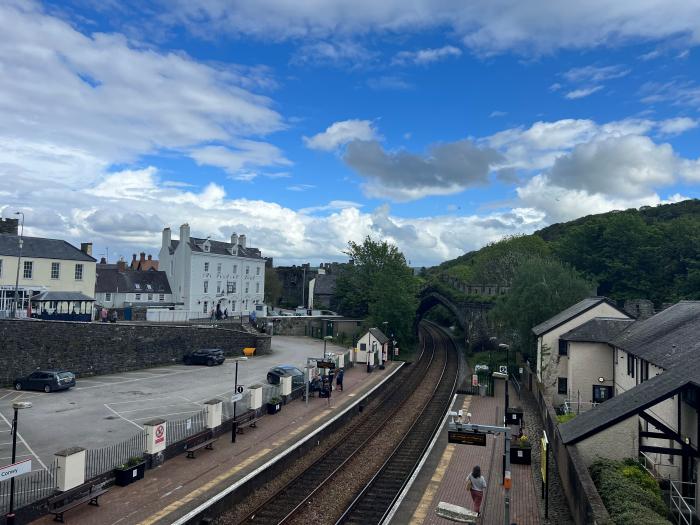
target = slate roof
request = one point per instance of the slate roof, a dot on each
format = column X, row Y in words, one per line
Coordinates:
column 325, row 284
column 633, row 401
column 379, row 335
column 110, row 280
column 598, row 330
column 40, row 248
column 667, row 339
column 218, row 247
column 61, row 296
column 571, row 312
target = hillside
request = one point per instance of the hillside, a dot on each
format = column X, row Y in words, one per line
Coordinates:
column 651, row 253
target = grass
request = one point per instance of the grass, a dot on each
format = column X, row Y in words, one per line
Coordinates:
column 563, row 418
column 497, row 357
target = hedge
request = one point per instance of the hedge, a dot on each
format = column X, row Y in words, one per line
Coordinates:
column 629, row 493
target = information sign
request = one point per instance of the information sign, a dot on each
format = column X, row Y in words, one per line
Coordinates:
column 236, row 397
column 325, row 364
column 465, row 437
column 503, row 369
column 475, row 380
column 239, row 389
column 21, row 467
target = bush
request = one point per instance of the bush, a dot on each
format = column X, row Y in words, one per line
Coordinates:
column 629, row 493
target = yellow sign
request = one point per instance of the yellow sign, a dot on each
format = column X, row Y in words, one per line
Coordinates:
column 543, row 457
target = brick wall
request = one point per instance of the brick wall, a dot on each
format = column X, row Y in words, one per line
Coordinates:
column 104, row 348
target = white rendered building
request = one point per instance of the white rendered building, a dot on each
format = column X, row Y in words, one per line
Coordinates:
column 205, row 273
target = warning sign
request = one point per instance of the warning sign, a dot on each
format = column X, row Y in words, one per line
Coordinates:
column 160, row 434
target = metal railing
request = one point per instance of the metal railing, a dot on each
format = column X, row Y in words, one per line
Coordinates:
column 101, row 460
column 29, row 488
column 181, row 429
column 682, row 507
column 577, row 407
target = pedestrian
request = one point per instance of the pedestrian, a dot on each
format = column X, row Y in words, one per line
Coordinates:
column 115, row 316
column 103, row 315
column 339, row 379
column 212, row 314
column 225, row 313
column 476, row 483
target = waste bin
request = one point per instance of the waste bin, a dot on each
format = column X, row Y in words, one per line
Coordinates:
column 482, row 390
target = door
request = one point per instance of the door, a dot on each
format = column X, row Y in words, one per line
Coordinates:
column 601, row 393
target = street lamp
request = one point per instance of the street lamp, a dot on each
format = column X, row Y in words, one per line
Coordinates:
column 17, row 405
column 234, row 427
column 506, row 347
column 19, row 262
column 325, row 340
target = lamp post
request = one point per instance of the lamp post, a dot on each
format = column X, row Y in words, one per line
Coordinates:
column 506, row 347
column 17, row 405
column 234, row 427
column 19, row 262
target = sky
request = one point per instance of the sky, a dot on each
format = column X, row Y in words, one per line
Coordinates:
column 439, row 126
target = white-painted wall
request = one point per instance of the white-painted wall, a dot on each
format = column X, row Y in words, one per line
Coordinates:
column 587, row 363
column 41, row 275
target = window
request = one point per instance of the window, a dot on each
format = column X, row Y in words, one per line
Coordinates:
column 562, row 386
column 218, row 286
column 235, row 268
column 230, row 287
column 137, row 286
column 150, row 296
column 55, row 270
column 206, row 266
column 247, row 270
column 631, row 364
column 563, row 347
column 149, row 287
column 246, row 287
column 206, row 286
column 78, row 272
column 205, row 308
column 218, row 268
column 108, row 296
column 601, row 393
column 28, row 269
column 644, row 371
column 257, row 270
column 137, row 297
column 161, row 297
column 0, row 267
column 206, row 247
column 257, row 287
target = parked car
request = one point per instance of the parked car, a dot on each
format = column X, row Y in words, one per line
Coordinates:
column 46, row 380
column 205, row 356
column 274, row 374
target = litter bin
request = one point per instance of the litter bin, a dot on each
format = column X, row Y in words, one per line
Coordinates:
column 482, row 390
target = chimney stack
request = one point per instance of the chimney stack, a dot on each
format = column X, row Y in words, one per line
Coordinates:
column 241, row 241
column 166, row 237
column 185, row 233
column 234, row 240
column 150, row 257
column 143, row 256
column 86, row 248
column 103, row 260
column 121, row 265
column 133, row 257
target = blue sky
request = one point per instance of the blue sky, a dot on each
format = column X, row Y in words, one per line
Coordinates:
column 307, row 124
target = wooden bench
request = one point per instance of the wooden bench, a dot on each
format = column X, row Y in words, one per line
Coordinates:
column 65, row 501
column 245, row 424
column 208, row 444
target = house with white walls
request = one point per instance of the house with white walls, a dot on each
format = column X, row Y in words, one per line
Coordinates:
column 206, row 274
column 372, row 347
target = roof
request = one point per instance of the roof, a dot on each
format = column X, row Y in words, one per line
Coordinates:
column 598, row 330
column 379, row 335
column 571, row 312
column 40, row 248
column 669, row 338
column 219, row 248
column 325, row 284
column 631, row 402
column 61, row 296
column 111, row 280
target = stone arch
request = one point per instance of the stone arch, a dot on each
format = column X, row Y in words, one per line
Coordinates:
column 431, row 298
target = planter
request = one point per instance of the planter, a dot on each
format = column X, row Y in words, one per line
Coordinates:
column 520, row 455
column 126, row 476
column 273, row 408
column 514, row 416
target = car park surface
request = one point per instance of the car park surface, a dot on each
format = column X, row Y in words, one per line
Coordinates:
column 101, row 410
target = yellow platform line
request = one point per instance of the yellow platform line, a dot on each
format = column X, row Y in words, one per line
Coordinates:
column 425, row 506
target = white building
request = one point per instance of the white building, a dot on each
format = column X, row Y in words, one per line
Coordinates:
column 205, row 273
column 370, row 345
column 118, row 286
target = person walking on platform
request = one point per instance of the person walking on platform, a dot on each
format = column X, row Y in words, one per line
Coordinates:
column 339, row 379
column 476, row 483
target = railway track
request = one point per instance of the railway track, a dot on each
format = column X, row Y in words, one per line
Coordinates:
column 289, row 504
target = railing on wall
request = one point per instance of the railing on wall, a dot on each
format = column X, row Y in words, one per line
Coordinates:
column 683, row 507
column 181, row 429
column 29, row 488
column 101, row 460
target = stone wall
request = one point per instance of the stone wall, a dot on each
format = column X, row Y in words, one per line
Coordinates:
column 104, row 348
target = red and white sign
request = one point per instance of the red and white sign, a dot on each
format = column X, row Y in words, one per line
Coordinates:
column 160, row 434
column 21, row 467
column 475, row 380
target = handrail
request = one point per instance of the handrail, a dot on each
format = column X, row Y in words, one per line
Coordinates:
column 679, row 503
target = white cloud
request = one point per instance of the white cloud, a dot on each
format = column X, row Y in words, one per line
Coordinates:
column 301, row 187
column 340, row 133
column 496, row 114
column 594, row 74
column 236, row 162
column 389, row 83
column 336, row 53
column 582, row 92
column 427, row 56
column 676, row 126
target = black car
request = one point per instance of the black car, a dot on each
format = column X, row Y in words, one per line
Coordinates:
column 46, row 380
column 274, row 374
column 205, row 356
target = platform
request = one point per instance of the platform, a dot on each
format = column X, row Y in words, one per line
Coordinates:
column 444, row 475
column 181, row 485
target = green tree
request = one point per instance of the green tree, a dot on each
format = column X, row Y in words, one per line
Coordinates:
column 273, row 287
column 541, row 288
column 379, row 286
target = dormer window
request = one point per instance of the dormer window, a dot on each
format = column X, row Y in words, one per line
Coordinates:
column 206, row 246
column 149, row 287
column 137, row 286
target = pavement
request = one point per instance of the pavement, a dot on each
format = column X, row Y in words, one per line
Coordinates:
column 101, row 410
column 181, row 484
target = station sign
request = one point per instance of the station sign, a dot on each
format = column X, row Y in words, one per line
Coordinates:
column 236, row 397
column 16, row 469
column 466, row 437
column 325, row 364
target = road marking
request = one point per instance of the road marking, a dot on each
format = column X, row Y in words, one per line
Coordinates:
column 122, row 417
column 25, row 443
column 166, row 415
column 149, row 408
column 169, row 493
column 135, row 379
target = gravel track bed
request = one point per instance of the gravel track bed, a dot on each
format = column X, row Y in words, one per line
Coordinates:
column 339, row 493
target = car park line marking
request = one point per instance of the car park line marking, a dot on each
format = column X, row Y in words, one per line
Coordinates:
column 122, row 417
column 166, row 415
column 148, row 408
column 136, row 379
column 140, row 400
column 25, row 443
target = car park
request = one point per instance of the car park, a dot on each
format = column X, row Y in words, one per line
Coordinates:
column 205, row 356
column 46, row 380
column 274, row 374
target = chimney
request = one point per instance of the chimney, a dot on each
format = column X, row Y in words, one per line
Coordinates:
column 103, row 260
column 133, row 257
column 241, row 241
column 86, row 248
column 121, row 265
column 234, row 240
column 150, row 257
column 166, row 237
column 9, row 226
column 185, row 234
column 143, row 256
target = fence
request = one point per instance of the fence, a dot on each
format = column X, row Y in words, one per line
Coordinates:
column 29, row 488
column 181, row 429
column 101, row 460
column 683, row 507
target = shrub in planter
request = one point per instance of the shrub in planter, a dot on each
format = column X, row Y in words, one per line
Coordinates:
column 521, row 450
column 133, row 470
column 274, row 405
